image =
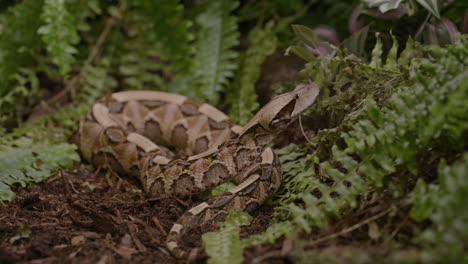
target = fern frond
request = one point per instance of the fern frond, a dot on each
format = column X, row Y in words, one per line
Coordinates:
column 20, row 98
column 33, row 152
column 84, row 11
column 141, row 57
column 273, row 233
column 18, row 37
column 59, row 33
column 396, row 140
column 241, row 95
column 224, row 246
column 444, row 204
column 214, row 61
column 23, row 161
column 172, row 31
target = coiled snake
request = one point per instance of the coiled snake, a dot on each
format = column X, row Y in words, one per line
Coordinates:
column 131, row 132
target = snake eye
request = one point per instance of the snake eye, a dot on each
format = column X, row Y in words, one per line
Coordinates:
column 278, row 123
column 296, row 97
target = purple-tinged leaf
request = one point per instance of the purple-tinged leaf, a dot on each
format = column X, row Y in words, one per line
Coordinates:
column 355, row 24
column 464, row 24
column 328, row 34
column 431, row 6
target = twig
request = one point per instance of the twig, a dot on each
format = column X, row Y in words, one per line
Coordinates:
column 271, row 254
column 351, row 228
column 98, row 169
column 397, row 229
column 182, row 202
column 70, row 183
column 158, row 225
column 65, row 183
column 303, row 133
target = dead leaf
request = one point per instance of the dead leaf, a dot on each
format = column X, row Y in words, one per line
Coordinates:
column 78, row 240
column 373, row 230
column 24, row 232
column 125, row 252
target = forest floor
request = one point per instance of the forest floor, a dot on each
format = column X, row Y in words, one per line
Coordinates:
column 88, row 215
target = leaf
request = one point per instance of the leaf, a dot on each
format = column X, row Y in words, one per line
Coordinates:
column 422, row 201
column 301, row 52
column 306, row 35
column 424, row 119
column 431, row 6
column 391, row 62
column 383, row 5
column 373, row 230
column 407, row 53
column 273, row 233
column 220, row 189
column 25, row 92
column 241, row 95
column 237, row 219
column 374, row 112
column 168, row 16
column 23, row 162
column 355, row 44
column 25, row 232
column 214, row 62
column 376, row 61
column 445, row 205
column 18, row 34
column 60, row 34
column 224, row 246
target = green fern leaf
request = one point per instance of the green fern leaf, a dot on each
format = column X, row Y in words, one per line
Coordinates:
column 24, row 161
column 445, row 205
column 60, row 34
column 24, row 93
column 391, row 62
column 273, row 233
column 225, row 245
column 214, row 60
column 241, row 95
column 172, row 30
column 425, row 119
column 18, row 36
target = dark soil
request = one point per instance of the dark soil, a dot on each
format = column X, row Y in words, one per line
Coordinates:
column 79, row 216
column 87, row 216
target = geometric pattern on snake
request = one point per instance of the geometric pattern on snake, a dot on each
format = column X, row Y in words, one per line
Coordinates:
column 177, row 146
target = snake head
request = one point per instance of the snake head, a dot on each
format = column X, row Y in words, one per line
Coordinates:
column 284, row 109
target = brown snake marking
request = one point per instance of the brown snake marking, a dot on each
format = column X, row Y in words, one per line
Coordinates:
column 131, row 133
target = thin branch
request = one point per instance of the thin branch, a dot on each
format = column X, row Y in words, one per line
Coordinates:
column 351, row 228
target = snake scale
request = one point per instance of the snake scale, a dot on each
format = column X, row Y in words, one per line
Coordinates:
column 177, row 146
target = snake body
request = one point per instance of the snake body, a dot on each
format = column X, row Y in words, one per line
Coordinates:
column 139, row 133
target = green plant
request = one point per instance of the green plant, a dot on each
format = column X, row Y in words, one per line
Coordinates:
column 60, row 34
column 15, row 48
column 224, row 246
column 444, row 204
column 392, row 147
column 214, row 60
column 241, row 94
column 20, row 98
column 22, row 162
column 168, row 17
